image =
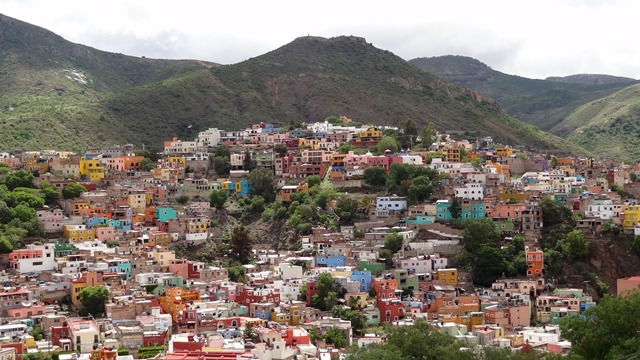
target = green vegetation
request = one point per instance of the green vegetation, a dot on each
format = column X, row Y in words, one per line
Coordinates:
column 240, row 244
column 218, row 198
column 543, row 103
column 90, row 97
column 149, row 352
column 73, row 190
column 93, row 299
column 606, row 331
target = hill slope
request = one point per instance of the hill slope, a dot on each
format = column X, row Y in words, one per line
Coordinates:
column 312, row 78
column 543, row 103
column 610, row 125
column 54, row 93
column 51, row 89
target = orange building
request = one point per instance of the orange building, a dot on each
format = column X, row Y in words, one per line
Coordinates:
column 176, row 300
column 286, row 191
column 535, row 263
column 385, row 289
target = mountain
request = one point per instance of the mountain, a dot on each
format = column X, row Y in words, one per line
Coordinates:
column 543, row 103
column 590, row 79
column 610, row 126
column 312, row 78
column 51, row 90
column 58, row 94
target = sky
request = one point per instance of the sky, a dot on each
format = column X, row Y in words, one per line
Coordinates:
column 529, row 38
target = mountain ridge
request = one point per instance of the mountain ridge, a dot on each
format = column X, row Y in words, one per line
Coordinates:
column 93, row 97
column 543, row 103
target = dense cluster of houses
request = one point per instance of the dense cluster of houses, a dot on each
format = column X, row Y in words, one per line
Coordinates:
column 120, row 232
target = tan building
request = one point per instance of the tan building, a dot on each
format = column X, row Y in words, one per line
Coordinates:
column 627, row 285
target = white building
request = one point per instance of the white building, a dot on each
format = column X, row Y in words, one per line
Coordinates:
column 391, row 203
column 179, row 147
column 471, row 192
column 288, row 271
column 209, row 138
column 35, row 258
column 424, row 264
column 412, row 159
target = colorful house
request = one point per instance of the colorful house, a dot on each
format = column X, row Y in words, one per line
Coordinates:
column 535, row 263
column 90, row 169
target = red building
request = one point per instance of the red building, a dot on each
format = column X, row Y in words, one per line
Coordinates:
column 291, row 143
column 311, row 290
column 60, row 337
column 302, row 171
column 381, row 161
column 221, row 323
column 154, row 338
column 248, row 295
column 390, row 310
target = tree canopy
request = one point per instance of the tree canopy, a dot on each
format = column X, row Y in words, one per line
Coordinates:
column 93, row 299
column 240, row 244
column 73, row 190
column 262, row 184
column 217, row 198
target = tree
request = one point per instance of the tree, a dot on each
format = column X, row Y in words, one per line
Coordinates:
column 346, row 209
column 73, row 190
column 455, row 208
column 223, row 150
column 147, row 165
column 183, row 199
column 521, row 156
column 387, row 255
column 344, row 148
column 247, row 162
column 22, row 212
column 48, row 192
column 336, row 337
column 375, row 176
column 490, row 263
column 281, row 149
column 93, row 299
column 387, row 143
column 313, row 180
column 262, row 184
column 322, row 199
column 241, row 243
column 479, row 233
column 217, row 198
column 393, row 242
column 428, row 136
column 222, row 165
column 574, row 246
column 409, row 133
column 5, row 246
column 476, row 162
column 248, row 332
column 608, row 330
column 144, row 153
column 20, row 178
column 464, row 154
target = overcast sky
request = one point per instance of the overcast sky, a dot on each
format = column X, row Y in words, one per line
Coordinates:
column 528, row 38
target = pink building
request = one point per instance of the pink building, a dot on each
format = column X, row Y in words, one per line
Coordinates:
column 104, row 234
column 179, row 267
column 53, row 220
column 354, row 160
column 26, row 312
column 381, row 161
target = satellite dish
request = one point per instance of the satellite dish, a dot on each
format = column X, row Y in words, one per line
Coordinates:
column 26, row 303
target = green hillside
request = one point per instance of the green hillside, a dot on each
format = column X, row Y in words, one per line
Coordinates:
column 609, row 126
column 54, row 93
column 312, row 78
column 51, row 90
column 543, row 103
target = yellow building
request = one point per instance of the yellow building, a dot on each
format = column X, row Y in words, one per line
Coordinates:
column 68, row 170
column 287, row 316
column 359, row 299
column 447, row 277
column 163, row 255
column 137, row 201
column 35, row 164
column 631, row 216
column 309, row 143
column 471, row 320
column 78, row 233
column 177, row 160
column 91, row 170
column 504, row 151
column 76, row 288
column 452, row 154
column 373, row 133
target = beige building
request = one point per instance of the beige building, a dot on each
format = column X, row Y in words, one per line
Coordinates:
column 84, row 334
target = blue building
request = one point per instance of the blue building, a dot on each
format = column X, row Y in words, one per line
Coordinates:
column 468, row 210
column 296, row 133
column 330, row 261
column 364, row 278
column 164, row 214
